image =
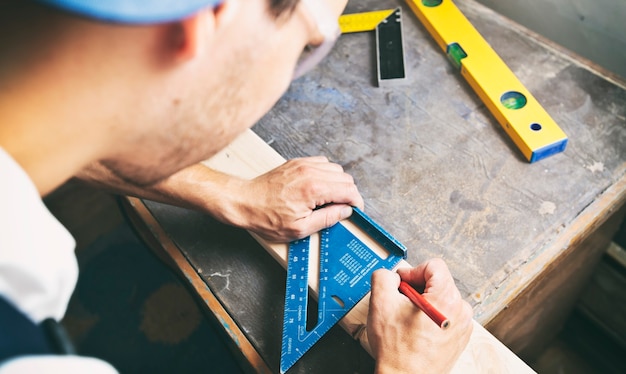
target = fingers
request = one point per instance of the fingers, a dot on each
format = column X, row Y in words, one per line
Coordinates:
column 324, row 190
column 429, row 274
column 382, row 306
column 296, row 199
column 328, row 216
column 319, row 192
column 384, row 283
column 322, row 182
column 438, row 285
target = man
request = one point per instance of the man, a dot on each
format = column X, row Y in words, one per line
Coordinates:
column 132, row 94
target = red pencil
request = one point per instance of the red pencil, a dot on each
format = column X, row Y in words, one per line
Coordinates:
column 424, row 305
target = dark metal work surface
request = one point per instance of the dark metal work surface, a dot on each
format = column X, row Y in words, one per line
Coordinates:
column 435, row 169
column 251, row 285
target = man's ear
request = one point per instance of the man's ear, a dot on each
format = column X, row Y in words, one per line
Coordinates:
column 190, row 36
column 186, row 38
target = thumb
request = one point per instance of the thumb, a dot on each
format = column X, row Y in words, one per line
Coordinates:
column 384, row 282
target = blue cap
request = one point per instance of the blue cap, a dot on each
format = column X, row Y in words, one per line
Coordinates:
column 133, row 11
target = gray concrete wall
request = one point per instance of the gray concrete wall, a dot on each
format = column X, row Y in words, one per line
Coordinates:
column 595, row 29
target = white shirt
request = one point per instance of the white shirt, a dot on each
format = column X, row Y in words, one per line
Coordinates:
column 38, row 268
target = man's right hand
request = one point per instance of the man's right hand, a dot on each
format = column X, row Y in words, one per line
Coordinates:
column 404, row 339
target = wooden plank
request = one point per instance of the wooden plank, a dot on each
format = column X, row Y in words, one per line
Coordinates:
column 249, row 156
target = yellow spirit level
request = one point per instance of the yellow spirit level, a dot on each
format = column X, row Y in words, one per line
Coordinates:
column 527, row 123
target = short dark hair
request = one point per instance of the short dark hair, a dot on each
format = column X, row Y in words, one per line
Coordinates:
column 279, row 7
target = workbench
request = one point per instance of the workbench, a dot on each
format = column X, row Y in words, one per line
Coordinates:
column 438, row 172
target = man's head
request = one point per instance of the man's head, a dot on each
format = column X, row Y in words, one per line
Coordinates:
column 169, row 91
